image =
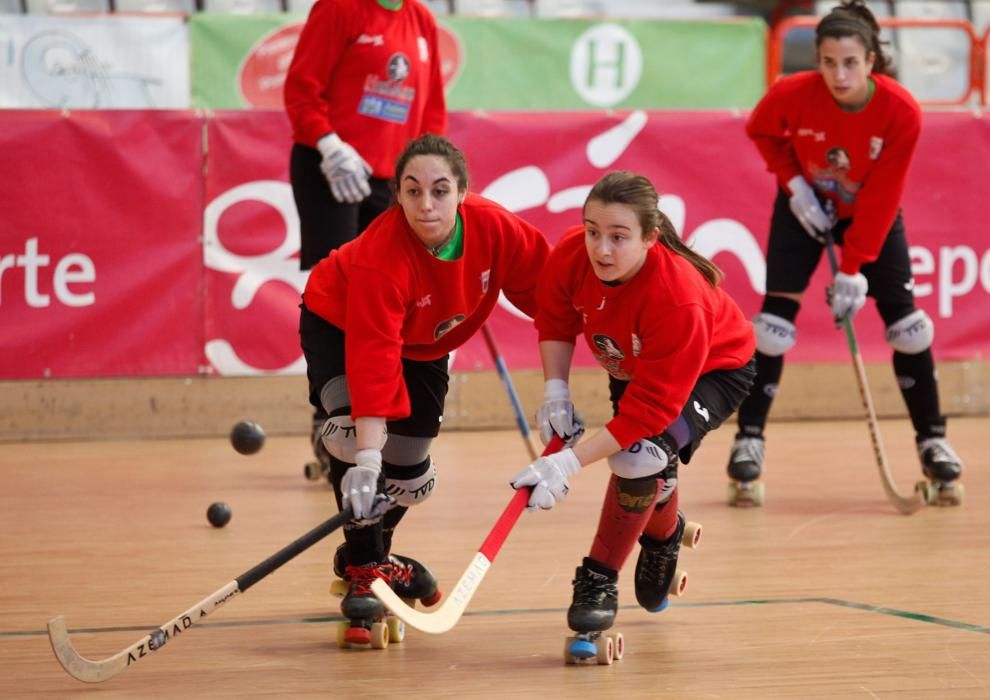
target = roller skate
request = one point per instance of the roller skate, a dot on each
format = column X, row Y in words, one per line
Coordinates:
column 745, row 467
column 942, row 469
column 411, row 580
column 592, row 612
column 657, row 575
column 320, row 466
column 367, row 624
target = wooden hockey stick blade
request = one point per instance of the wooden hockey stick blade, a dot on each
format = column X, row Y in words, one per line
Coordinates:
column 906, row 505
column 451, row 610
column 96, row 671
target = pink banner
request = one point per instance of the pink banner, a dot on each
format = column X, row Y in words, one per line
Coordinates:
column 251, row 247
column 100, row 266
column 102, row 272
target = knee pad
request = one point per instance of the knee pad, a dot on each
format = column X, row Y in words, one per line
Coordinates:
column 410, row 486
column 775, row 335
column 338, row 434
column 646, row 457
column 636, row 495
column 405, row 450
column 912, row 334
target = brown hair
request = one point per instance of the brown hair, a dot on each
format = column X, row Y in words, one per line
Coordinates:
column 853, row 19
column 433, row 145
column 638, row 193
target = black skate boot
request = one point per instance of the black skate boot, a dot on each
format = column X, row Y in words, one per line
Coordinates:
column 365, row 614
column 942, row 467
column 657, row 576
column 745, row 467
column 411, row 580
column 320, row 466
column 592, row 611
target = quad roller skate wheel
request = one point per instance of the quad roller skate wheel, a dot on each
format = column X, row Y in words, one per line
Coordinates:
column 746, row 493
column 339, row 588
column 603, row 648
column 313, row 471
column 359, row 637
column 692, row 535
column 941, row 494
column 678, row 584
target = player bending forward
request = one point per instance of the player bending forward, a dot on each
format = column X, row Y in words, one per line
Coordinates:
column 679, row 354
column 379, row 317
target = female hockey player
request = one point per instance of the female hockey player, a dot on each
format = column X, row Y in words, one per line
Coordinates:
column 840, row 139
column 379, row 316
column 678, row 352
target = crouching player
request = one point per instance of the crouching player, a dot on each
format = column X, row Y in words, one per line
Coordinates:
column 679, row 355
column 379, row 317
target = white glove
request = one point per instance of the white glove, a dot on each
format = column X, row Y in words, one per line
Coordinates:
column 360, row 483
column 807, row 210
column 847, row 294
column 345, row 170
column 557, row 414
column 548, row 477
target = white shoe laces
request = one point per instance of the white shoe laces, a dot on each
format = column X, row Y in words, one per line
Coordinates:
column 940, row 450
column 748, row 449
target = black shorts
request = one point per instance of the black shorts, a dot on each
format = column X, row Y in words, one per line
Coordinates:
column 793, row 255
column 426, row 382
column 715, row 397
column 324, row 223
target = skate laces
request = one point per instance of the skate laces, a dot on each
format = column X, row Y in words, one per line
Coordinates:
column 935, row 450
column 401, row 572
column 361, row 577
column 748, row 449
column 591, row 587
column 657, row 559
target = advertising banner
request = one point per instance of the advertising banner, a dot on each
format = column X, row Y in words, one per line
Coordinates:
column 94, row 62
column 124, row 261
column 513, row 64
column 100, row 258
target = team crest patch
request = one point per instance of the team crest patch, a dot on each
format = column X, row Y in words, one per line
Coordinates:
column 876, row 145
column 447, row 326
column 398, row 67
column 608, row 347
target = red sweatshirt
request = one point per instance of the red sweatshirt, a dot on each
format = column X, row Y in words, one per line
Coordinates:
column 370, row 74
column 661, row 330
column 394, row 299
column 859, row 160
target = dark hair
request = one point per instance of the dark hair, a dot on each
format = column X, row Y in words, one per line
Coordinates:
column 638, row 193
column 853, row 19
column 433, row 145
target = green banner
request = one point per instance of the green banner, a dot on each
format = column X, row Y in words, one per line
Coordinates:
column 515, row 64
column 579, row 64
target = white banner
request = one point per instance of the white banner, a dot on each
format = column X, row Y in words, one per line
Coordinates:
column 94, row 62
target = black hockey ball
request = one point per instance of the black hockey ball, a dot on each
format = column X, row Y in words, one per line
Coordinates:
column 247, row 437
column 218, row 514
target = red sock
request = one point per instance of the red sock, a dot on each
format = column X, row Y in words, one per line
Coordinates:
column 624, row 513
column 663, row 521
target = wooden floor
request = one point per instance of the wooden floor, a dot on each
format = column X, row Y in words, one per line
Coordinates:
column 826, row 592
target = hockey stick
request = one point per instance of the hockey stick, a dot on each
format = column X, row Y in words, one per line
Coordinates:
column 904, row 505
column 447, row 615
column 92, row 671
column 503, row 372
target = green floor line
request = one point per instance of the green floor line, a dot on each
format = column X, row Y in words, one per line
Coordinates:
column 917, row 617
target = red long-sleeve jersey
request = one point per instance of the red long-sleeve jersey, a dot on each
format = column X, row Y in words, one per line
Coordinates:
column 370, row 74
column 661, row 330
column 394, row 299
column 859, row 160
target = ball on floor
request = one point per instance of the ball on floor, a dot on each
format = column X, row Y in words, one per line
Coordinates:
column 218, row 514
column 247, row 437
